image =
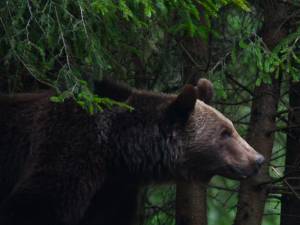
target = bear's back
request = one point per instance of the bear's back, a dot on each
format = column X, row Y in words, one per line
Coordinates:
column 34, row 128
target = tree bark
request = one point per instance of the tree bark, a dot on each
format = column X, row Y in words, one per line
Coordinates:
column 252, row 195
column 196, row 54
column 191, row 204
column 290, row 208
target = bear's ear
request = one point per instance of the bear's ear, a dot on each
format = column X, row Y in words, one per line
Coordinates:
column 184, row 103
column 204, row 90
column 112, row 89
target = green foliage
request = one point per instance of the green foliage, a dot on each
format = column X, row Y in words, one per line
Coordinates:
column 160, row 205
column 249, row 53
column 62, row 44
column 248, row 62
column 221, row 203
column 283, row 58
column 57, row 42
column 87, row 100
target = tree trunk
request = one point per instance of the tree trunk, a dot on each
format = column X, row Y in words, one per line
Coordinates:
column 252, row 195
column 140, row 76
column 196, row 54
column 191, row 198
column 290, row 208
column 191, row 204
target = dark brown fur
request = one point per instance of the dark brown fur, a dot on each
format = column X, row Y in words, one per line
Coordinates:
column 205, row 90
column 61, row 166
column 54, row 157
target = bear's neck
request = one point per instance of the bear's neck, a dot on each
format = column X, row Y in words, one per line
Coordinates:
column 143, row 149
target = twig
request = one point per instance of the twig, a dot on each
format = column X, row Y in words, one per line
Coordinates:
column 278, row 157
column 222, row 188
column 287, row 184
column 220, row 62
column 283, row 129
column 82, row 18
column 32, row 74
column 29, row 21
column 191, row 58
column 233, row 103
column 239, row 84
column 63, row 39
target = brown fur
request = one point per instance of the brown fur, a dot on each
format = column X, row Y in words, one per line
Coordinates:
column 61, row 166
column 204, row 90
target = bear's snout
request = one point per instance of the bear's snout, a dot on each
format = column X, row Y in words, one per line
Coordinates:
column 259, row 160
column 240, row 159
column 256, row 165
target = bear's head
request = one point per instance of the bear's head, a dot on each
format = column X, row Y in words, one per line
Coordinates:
column 212, row 146
column 183, row 131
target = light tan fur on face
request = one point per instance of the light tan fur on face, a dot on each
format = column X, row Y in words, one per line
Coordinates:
column 208, row 124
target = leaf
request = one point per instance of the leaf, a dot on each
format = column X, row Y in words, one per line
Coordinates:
column 81, row 103
column 243, row 4
column 242, row 44
column 91, row 108
column 258, row 81
column 266, row 65
column 295, row 57
column 55, row 99
column 234, row 55
column 202, row 32
column 126, row 11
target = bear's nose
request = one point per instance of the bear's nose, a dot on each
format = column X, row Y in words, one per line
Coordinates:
column 259, row 160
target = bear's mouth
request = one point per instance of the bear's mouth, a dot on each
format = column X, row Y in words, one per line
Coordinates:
column 237, row 173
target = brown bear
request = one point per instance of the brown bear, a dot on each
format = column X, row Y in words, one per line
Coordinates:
column 61, row 166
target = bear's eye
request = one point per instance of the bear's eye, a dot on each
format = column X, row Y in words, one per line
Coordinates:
column 226, row 133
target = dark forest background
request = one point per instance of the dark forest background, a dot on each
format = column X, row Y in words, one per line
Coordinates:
column 249, row 50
